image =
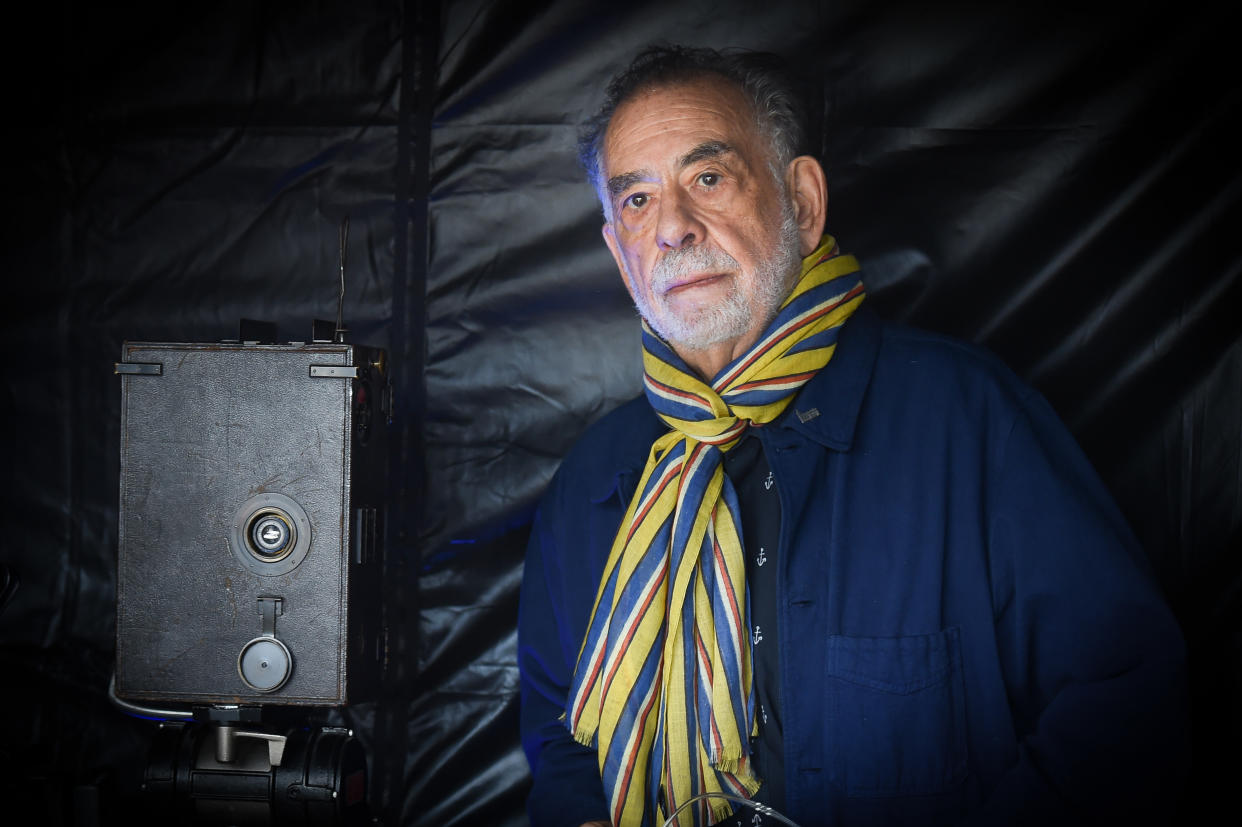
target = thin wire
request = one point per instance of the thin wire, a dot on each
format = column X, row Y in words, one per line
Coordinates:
column 340, row 302
column 144, row 711
column 762, row 809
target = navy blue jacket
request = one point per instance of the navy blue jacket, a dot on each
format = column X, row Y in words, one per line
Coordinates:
column 969, row 632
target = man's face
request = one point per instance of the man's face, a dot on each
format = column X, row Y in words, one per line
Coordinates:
column 703, row 232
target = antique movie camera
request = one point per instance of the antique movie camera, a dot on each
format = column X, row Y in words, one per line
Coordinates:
column 250, row 555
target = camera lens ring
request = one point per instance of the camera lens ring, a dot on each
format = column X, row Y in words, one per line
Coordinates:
column 270, row 534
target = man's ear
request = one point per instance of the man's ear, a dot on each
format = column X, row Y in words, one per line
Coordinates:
column 808, row 187
column 610, row 238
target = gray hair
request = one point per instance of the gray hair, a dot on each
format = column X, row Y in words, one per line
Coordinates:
column 763, row 79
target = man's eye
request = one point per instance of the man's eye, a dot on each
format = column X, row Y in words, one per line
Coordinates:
column 709, row 179
column 638, row 200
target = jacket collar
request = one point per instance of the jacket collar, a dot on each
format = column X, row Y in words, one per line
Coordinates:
column 827, row 408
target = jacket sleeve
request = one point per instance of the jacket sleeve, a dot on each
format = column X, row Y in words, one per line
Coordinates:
column 567, row 789
column 1092, row 657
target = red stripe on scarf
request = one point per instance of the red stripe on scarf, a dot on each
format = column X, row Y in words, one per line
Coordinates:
column 671, row 391
column 706, row 661
column 624, row 645
column 637, row 745
column 763, row 383
column 735, row 612
column 670, row 472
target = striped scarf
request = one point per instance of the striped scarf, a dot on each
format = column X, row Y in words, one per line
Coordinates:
column 663, row 683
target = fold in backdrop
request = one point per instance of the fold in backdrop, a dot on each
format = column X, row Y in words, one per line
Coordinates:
column 1060, row 183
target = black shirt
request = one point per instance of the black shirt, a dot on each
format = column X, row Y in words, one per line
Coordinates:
column 748, row 470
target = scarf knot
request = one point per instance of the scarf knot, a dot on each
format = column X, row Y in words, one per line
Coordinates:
column 663, row 684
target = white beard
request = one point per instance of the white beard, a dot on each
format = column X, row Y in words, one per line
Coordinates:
column 730, row 318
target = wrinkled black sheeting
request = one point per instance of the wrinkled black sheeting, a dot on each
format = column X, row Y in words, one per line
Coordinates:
column 1056, row 183
column 1030, row 178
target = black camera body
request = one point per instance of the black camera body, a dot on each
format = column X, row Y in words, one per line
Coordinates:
column 252, row 494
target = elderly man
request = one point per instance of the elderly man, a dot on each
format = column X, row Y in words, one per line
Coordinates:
column 830, row 570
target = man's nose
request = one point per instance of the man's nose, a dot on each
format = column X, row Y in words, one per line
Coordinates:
column 678, row 224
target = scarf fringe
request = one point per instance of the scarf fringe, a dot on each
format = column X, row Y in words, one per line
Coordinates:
column 584, row 736
column 720, row 810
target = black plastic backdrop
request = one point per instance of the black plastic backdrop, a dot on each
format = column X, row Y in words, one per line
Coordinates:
column 1059, row 183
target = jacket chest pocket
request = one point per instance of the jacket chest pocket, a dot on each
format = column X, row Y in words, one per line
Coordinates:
column 897, row 714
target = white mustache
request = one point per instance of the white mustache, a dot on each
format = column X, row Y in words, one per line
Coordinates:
column 684, row 261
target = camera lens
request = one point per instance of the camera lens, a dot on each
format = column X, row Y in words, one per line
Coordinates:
column 270, row 535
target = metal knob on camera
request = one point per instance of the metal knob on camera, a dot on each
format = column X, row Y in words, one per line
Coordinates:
column 265, row 663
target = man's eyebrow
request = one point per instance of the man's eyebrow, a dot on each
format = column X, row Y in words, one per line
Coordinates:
column 705, row 151
column 618, row 184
